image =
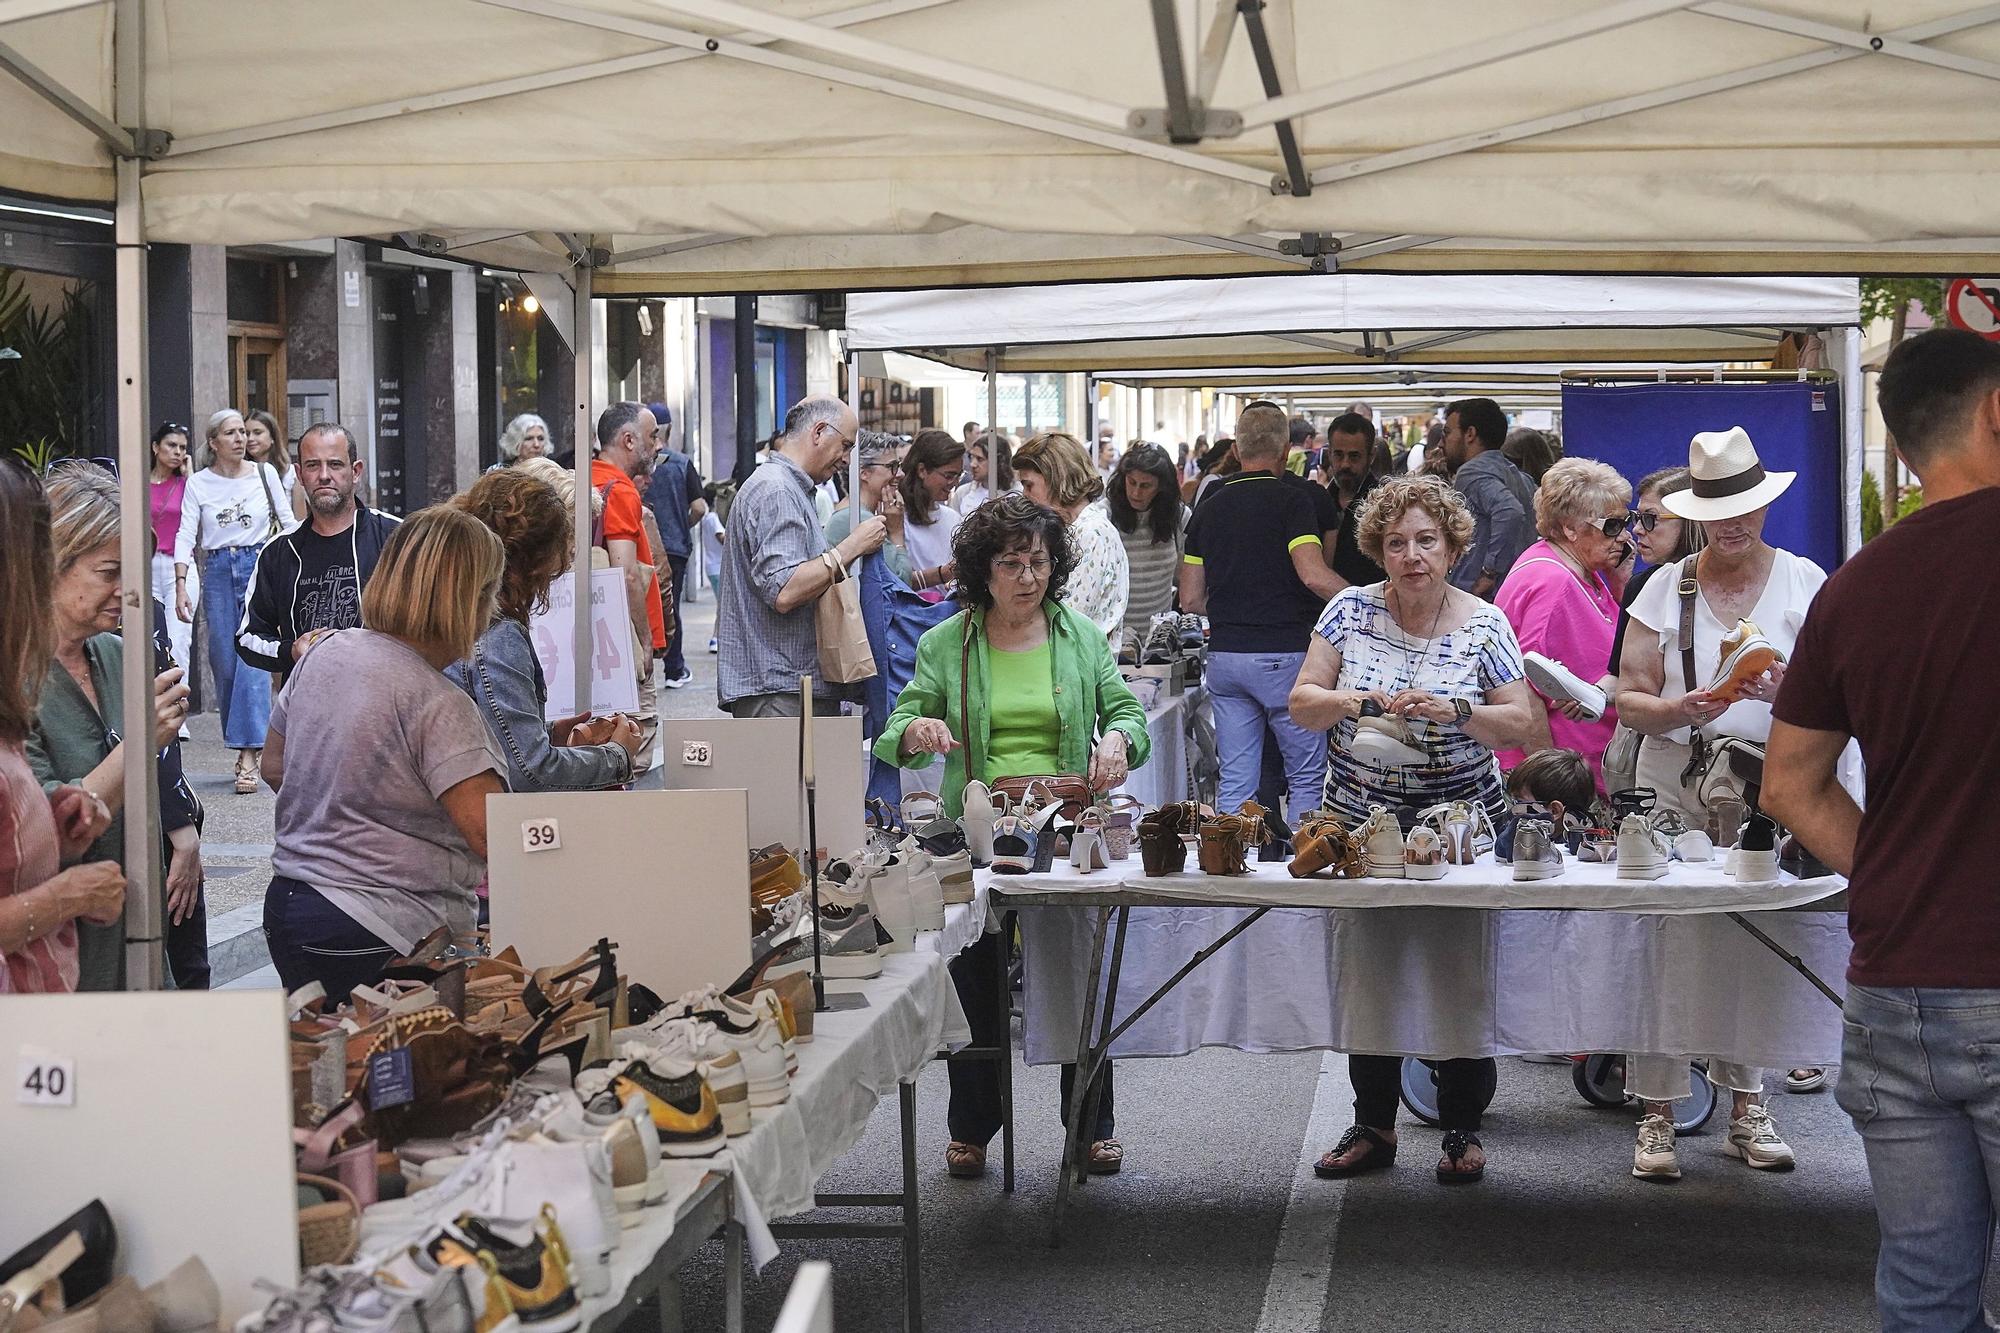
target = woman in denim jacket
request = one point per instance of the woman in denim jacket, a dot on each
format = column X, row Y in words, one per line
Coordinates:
column 503, row 675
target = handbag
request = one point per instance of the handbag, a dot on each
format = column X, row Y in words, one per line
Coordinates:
column 277, row 524
column 1070, row 790
column 844, row 654
column 1730, row 765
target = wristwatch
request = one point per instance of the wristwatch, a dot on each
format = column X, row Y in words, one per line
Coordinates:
column 1463, row 707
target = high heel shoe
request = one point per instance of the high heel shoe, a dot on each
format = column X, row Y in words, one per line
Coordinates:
column 1161, row 848
column 1013, row 846
column 1322, row 842
column 980, row 813
column 1086, row 845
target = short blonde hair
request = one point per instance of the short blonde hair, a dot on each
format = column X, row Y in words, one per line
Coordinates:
column 436, row 583
column 1578, row 490
column 1060, row 460
column 1388, row 502
column 547, row 470
column 83, row 511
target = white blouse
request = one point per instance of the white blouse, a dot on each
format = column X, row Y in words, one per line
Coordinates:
column 929, row 544
column 1781, row 609
column 221, row 511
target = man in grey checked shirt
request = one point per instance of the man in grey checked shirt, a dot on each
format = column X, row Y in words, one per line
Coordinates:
column 772, row 572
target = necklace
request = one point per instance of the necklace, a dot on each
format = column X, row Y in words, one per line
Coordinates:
column 1416, row 666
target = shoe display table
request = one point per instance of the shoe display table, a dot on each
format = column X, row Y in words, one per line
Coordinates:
column 1474, row 964
column 855, row 1056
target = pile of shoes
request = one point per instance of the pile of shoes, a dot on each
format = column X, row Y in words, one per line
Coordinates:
column 1323, row 842
column 1171, row 637
column 67, row 1281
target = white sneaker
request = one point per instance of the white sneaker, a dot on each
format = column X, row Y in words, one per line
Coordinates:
column 1639, row 854
column 710, row 1005
column 761, row 1049
column 1694, row 847
column 1653, row 1158
column 1756, row 851
column 926, row 890
column 630, row 1139
column 1382, row 843
column 1753, row 1136
column 887, row 885
column 1537, row 855
column 1558, row 682
column 652, row 1047
column 1423, row 854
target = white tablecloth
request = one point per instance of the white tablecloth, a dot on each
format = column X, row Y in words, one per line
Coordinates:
column 963, row 925
column 1453, row 981
column 1163, row 778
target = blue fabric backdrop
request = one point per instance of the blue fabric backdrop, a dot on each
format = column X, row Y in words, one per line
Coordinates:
column 1640, row 427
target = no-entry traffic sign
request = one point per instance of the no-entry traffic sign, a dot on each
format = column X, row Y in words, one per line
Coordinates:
column 1974, row 304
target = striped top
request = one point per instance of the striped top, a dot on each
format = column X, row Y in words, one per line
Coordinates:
column 1376, row 654
column 1152, row 567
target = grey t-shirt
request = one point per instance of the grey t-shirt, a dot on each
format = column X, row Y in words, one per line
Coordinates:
column 373, row 735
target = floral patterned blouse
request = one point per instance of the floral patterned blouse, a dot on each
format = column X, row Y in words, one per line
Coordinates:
column 1100, row 584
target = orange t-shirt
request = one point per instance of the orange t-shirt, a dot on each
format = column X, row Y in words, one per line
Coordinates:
column 622, row 523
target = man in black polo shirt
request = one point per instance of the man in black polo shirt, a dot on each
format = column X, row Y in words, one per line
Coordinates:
column 1350, row 476
column 1254, row 565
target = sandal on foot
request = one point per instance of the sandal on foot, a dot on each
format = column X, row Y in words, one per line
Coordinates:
column 965, row 1161
column 1107, row 1156
column 1381, row 1153
column 1456, row 1141
column 1806, row 1078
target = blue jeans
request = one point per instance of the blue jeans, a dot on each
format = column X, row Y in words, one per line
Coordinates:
column 312, row 940
column 1248, row 692
column 1920, row 1075
column 243, row 691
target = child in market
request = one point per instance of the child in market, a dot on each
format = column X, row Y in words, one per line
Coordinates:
column 711, row 535
column 1557, row 780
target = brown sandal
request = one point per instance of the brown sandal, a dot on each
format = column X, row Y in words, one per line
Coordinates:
column 1107, row 1156
column 965, row 1161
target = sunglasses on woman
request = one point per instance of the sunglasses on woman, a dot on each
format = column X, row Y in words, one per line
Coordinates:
column 1645, row 520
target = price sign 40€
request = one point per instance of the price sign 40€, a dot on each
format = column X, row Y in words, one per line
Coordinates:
column 614, row 685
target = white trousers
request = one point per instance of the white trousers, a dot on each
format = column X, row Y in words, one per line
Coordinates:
column 1664, row 1078
column 180, row 633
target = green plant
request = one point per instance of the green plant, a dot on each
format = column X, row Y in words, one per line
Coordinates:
column 47, row 392
column 1871, row 508
column 37, row 454
column 1889, row 298
column 1909, row 501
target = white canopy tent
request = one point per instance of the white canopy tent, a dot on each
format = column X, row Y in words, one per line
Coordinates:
column 710, row 146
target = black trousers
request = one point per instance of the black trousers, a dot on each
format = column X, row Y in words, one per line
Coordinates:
column 187, row 947
column 974, row 1112
column 1465, row 1090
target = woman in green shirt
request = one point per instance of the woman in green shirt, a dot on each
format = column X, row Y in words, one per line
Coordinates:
column 1016, row 684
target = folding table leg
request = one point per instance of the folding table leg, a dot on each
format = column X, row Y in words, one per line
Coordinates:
column 1074, row 1123
column 669, row 1297
column 1006, row 1011
column 913, row 1280
column 732, row 1279
column 1101, row 1050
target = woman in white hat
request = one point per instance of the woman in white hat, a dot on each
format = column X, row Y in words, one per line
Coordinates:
column 1743, row 601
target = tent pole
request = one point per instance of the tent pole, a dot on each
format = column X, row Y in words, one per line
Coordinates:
column 993, row 419
column 1089, row 410
column 586, row 372
column 854, row 454
column 1854, row 451
column 145, row 946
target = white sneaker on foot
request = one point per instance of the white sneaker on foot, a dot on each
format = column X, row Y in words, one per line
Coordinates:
column 1653, row 1158
column 1753, row 1136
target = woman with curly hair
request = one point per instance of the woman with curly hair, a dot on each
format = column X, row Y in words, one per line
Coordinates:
column 1015, row 685
column 503, row 675
column 1144, row 502
column 1444, row 662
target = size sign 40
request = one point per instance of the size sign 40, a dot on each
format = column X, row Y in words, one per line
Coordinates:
column 43, row 1079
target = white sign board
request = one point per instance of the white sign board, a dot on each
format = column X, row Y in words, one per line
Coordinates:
column 664, row 874
column 614, row 682
column 175, row 1108
column 761, row 755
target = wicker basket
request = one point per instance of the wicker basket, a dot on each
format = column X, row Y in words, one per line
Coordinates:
column 330, row 1231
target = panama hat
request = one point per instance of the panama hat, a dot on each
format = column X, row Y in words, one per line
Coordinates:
column 1729, row 481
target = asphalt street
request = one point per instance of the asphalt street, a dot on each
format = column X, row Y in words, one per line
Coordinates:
column 1217, row 1222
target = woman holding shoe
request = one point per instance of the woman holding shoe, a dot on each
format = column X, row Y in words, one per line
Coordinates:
column 41, row 904
column 1445, row 665
column 1015, row 685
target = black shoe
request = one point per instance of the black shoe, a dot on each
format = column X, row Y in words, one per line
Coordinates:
column 89, row 1274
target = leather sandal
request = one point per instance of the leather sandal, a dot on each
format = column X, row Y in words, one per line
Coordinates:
column 1381, row 1154
column 1107, row 1157
column 1456, row 1141
column 964, row 1161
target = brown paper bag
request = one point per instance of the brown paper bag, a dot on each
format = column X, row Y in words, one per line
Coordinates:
column 844, row 654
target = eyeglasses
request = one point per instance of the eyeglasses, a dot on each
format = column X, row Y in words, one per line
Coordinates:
column 846, row 441
column 1037, row 568
column 1615, row 525
column 1645, row 520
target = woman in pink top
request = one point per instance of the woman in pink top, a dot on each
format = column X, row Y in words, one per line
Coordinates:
column 170, row 479
column 1560, row 596
column 39, row 901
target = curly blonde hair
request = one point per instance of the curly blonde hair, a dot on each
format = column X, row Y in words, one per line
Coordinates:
column 1387, row 503
column 1578, row 490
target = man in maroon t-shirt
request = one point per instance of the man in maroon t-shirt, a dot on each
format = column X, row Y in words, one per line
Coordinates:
column 1900, row 651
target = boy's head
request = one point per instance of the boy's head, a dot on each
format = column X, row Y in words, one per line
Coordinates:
column 1548, row 776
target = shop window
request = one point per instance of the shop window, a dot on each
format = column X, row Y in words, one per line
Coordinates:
column 256, row 292
column 52, row 380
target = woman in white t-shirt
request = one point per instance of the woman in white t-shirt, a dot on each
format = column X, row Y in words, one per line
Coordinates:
column 267, row 445
column 231, row 508
column 1744, row 587
column 931, row 468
